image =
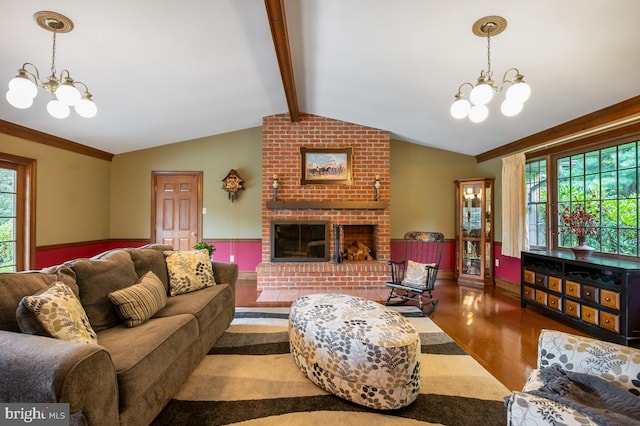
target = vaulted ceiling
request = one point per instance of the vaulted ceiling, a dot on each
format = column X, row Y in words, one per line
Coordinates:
column 162, row 72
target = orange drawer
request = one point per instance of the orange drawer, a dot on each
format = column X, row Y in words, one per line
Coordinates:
column 572, row 288
column 529, row 277
column 572, row 308
column 555, row 284
column 610, row 299
column 610, row 321
column 590, row 315
column 528, row 293
column 555, row 303
column 541, row 297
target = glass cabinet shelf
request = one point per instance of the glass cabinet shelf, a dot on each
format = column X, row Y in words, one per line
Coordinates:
column 474, row 231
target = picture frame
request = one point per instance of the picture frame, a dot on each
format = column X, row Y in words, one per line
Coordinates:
column 326, row 166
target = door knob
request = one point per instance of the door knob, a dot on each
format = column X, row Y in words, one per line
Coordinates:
column 194, row 234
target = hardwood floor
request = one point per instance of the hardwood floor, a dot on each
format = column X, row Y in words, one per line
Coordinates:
column 487, row 323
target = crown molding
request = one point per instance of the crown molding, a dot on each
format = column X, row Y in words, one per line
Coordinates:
column 22, row 132
column 618, row 115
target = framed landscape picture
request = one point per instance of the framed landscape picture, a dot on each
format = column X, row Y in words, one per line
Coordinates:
column 325, row 166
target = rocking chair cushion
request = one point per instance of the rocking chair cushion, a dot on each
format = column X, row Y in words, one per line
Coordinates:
column 416, row 274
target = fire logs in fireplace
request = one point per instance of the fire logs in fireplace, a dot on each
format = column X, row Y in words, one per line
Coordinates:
column 363, row 240
column 358, row 251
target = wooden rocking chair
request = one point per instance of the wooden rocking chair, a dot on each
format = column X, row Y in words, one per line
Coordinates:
column 414, row 278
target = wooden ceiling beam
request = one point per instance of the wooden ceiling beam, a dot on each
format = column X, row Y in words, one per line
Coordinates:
column 278, row 25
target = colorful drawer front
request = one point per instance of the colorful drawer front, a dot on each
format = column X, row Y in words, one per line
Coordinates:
column 529, row 277
column 610, row 321
column 541, row 297
column 610, row 299
column 555, row 302
column 589, row 293
column 572, row 308
column 572, row 288
column 590, row 315
column 528, row 293
column 555, row 284
column 541, row 280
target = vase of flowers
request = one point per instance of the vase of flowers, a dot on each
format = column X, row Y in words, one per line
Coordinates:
column 580, row 222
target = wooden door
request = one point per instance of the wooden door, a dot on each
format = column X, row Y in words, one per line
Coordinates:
column 176, row 209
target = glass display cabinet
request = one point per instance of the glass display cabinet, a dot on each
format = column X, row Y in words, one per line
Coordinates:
column 474, row 231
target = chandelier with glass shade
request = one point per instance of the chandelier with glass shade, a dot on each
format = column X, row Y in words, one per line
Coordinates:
column 23, row 88
column 481, row 94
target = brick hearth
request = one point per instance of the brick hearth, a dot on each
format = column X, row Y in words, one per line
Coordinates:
column 282, row 141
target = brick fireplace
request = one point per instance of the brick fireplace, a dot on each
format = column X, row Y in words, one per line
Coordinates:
column 353, row 207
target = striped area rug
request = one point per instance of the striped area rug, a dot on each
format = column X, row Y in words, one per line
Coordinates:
column 250, row 378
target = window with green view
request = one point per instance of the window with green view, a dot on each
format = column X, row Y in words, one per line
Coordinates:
column 536, row 178
column 604, row 181
column 8, row 200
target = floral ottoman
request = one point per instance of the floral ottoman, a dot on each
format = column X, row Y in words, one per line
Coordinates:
column 356, row 349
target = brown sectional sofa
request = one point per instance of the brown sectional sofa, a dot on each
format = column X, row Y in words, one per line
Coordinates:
column 130, row 375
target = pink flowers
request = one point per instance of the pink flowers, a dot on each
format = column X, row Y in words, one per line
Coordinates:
column 578, row 221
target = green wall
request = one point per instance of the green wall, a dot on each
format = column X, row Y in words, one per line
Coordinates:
column 72, row 192
column 422, row 188
column 422, row 191
column 214, row 156
column 81, row 198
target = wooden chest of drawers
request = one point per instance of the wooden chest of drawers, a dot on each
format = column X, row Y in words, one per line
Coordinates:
column 596, row 295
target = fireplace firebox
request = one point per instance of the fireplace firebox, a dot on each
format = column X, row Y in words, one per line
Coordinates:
column 295, row 241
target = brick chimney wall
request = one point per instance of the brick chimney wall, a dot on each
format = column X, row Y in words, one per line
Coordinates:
column 281, row 156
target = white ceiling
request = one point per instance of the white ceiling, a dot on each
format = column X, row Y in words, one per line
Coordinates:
column 166, row 71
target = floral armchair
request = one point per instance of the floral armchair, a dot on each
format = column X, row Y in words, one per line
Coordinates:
column 615, row 363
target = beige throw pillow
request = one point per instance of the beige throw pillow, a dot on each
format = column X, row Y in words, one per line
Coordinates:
column 139, row 302
column 416, row 274
column 188, row 271
column 59, row 311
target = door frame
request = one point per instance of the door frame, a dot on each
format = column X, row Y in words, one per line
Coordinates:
column 154, row 185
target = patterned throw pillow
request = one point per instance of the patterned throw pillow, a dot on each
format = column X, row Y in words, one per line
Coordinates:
column 61, row 314
column 139, row 302
column 189, row 271
column 416, row 274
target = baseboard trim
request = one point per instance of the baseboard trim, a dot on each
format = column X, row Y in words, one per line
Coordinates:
column 508, row 286
column 247, row 275
column 445, row 275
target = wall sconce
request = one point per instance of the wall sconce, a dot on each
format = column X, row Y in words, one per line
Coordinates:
column 376, row 187
column 232, row 183
column 275, row 184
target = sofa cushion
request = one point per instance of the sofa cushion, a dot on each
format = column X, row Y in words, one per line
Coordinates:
column 158, row 343
column 188, row 271
column 204, row 304
column 59, row 312
column 151, row 258
column 138, row 303
column 99, row 276
column 14, row 286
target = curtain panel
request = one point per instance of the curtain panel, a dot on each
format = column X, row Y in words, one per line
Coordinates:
column 514, row 206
